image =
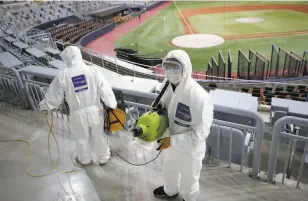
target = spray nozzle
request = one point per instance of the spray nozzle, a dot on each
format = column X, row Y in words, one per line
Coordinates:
column 137, row 132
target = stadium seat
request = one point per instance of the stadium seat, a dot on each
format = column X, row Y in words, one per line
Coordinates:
column 304, row 95
column 301, row 87
column 213, row 86
column 290, row 88
column 245, row 90
column 268, row 93
column 256, row 90
column 268, row 89
column 279, row 89
column 256, row 95
column 75, row 31
column 278, row 92
column 293, row 94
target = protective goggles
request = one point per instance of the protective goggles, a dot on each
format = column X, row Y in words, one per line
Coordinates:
column 172, row 65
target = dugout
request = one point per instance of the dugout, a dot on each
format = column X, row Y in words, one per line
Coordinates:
column 108, row 13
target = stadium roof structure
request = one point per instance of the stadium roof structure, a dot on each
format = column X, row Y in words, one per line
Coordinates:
column 108, row 11
column 9, row 60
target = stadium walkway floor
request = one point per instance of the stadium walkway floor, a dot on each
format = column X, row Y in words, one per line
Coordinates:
column 116, row 181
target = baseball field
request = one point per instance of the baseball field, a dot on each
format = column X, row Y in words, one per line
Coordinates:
column 240, row 25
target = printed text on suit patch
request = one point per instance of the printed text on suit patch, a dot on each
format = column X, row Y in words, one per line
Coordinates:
column 80, row 83
column 183, row 112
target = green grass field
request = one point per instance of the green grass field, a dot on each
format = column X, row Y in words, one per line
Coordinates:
column 157, row 32
column 226, row 25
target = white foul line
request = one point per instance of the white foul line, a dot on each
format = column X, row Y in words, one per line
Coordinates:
column 183, row 17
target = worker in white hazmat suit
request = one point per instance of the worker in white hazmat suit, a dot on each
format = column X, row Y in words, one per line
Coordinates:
column 83, row 87
column 190, row 113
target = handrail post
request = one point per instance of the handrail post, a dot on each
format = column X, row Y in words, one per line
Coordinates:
column 274, row 150
column 27, row 92
column 90, row 54
column 258, row 146
column 276, row 140
column 116, row 63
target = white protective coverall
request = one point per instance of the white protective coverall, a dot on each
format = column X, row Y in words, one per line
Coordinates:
column 190, row 113
column 82, row 87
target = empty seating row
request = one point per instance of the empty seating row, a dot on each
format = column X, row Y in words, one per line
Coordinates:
column 16, row 6
column 29, row 55
column 41, row 12
column 292, row 92
column 73, row 32
column 17, row 21
column 85, row 6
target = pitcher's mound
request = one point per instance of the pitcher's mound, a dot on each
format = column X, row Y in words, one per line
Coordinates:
column 249, row 20
column 197, row 41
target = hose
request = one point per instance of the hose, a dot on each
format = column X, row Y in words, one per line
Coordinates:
column 134, row 164
column 55, row 163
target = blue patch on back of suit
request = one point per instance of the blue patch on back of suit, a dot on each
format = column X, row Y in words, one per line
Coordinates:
column 183, row 112
column 80, row 83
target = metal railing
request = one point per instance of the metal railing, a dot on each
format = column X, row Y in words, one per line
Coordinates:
column 37, row 92
column 141, row 101
column 233, row 136
column 17, row 89
column 229, row 142
column 257, row 128
column 279, row 133
column 229, row 130
column 125, row 67
column 12, row 88
column 26, row 92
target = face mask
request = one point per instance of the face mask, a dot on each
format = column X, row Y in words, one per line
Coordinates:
column 173, row 71
column 174, row 76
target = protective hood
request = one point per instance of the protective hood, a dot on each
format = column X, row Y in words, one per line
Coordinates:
column 182, row 57
column 72, row 57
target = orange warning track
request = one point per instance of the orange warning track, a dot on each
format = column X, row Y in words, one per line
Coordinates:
column 199, row 11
